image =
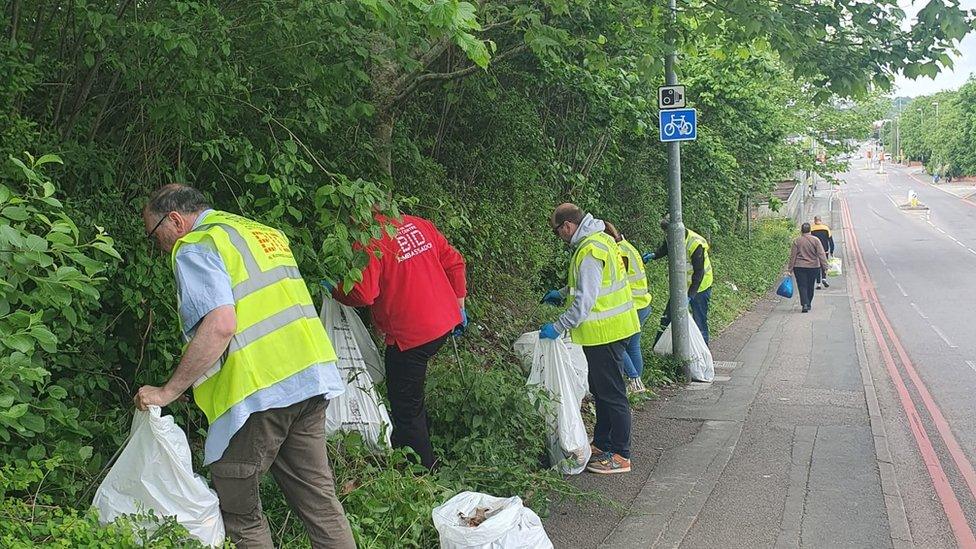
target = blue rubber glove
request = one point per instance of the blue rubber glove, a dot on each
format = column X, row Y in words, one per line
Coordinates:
column 328, row 285
column 459, row 329
column 548, row 331
column 553, row 297
column 647, row 257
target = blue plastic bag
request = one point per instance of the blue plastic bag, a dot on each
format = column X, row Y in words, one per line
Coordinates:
column 785, row 287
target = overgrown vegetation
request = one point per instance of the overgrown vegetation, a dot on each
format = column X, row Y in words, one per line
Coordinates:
column 305, row 114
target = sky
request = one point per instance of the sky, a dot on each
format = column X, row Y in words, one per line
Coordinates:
column 964, row 64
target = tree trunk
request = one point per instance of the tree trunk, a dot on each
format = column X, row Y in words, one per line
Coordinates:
column 383, row 142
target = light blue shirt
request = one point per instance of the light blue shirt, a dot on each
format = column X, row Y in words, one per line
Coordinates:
column 203, row 284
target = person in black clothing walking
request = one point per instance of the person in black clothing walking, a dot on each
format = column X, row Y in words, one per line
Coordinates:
column 822, row 232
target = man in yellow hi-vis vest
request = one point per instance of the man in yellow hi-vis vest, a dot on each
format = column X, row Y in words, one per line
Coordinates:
column 601, row 317
column 259, row 361
column 699, row 278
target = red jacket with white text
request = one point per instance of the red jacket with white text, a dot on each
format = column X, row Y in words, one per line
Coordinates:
column 413, row 287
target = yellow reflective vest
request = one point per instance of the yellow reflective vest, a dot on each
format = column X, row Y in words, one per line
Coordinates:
column 636, row 275
column 278, row 329
column 613, row 316
column 693, row 241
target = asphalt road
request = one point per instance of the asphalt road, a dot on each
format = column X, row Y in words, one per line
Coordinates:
column 920, row 266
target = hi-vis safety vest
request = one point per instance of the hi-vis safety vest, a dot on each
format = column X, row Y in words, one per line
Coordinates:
column 636, row 275
column 613, row 316
column 278, row 329
column 692, row 241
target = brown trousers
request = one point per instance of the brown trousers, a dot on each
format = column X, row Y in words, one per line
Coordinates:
column 290, row 442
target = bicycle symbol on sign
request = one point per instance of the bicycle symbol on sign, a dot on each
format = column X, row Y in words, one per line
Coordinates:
column 680, row 125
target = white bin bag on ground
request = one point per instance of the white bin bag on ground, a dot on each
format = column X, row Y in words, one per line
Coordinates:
column 507, row 524
column 701, row 368
column 562, row 371
column 154, row 472
column 359, row 408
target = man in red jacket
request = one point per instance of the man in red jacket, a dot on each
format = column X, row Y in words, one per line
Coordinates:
column 415, row 290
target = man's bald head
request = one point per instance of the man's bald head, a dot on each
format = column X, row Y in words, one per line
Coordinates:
column 566, row 212
column 566, row 218
column 170, row 213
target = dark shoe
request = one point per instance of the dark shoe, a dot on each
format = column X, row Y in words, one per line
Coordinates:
column 825, row 284
column 805, row 310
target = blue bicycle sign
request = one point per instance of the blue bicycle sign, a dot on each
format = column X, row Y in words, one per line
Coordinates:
column 678, row 125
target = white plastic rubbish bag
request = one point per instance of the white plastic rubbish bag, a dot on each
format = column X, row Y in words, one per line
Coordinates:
column 834, row 266
column 701, row 368
column 359, row 408
column 525, row 347
column 563, row 373
column 507, row 524
column 154, row 472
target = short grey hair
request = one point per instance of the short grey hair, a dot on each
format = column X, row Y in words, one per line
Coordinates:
column 177, row 197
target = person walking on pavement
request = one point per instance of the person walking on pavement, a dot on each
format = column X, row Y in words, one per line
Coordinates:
column 807, row 260
column 822, row 232
column 601, row 317
column 700, row 278
column 415, row 290
column 259, row 361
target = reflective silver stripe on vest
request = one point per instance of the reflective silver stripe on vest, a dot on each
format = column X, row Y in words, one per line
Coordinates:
column 258, row 330
column 272, row 323
column 597, row 244
column 636, row 278
column 638, row 293
column 619, row 309
column 256, row 278
column 616, row 286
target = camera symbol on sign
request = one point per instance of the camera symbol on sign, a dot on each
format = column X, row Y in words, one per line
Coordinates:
column 671, row 97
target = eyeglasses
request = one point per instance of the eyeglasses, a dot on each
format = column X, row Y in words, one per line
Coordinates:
column 160, row 222
column 555, row 230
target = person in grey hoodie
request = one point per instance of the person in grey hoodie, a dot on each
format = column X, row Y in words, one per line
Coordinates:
column 600, row 318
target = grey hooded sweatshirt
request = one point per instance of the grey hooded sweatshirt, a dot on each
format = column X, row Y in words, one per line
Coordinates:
column 587, row 283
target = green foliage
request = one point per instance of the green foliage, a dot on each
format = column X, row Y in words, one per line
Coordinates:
column 30, row 523
column 51, row 271
column 942, row 136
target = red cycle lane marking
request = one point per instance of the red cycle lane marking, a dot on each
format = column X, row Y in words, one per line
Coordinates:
column 947, row 497
column 938, row 419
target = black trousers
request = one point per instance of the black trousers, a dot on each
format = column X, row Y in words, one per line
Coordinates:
column 406, row 376
column 805, row 279
column 612, row 430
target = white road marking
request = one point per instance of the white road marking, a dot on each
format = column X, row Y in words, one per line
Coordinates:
column 972, row 251
column 919, row 311
column 971, row 364
column 943, row 336
column 941, row 230
column 960, row 243
column 902, row 290
column 891, row 273
column 883, row 262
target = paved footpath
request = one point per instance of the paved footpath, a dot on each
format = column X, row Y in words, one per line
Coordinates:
column 785, row 449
